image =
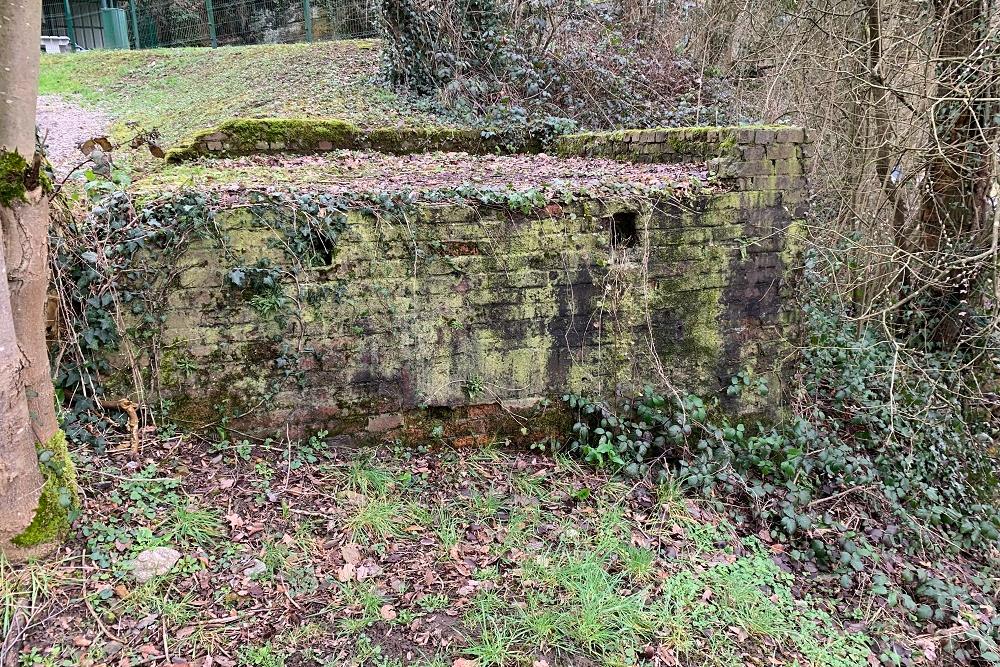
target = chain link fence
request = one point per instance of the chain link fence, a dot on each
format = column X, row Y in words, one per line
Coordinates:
column 147, row 24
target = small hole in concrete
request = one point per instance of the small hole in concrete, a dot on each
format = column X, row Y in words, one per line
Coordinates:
column 624, row 233
column 324, row 253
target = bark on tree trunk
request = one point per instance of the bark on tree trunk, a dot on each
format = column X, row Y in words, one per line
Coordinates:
column 953, row 213
column 20, row 479
column 25, row 233
column 27, row 409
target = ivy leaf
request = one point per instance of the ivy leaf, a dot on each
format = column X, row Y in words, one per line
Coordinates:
column 90, row 256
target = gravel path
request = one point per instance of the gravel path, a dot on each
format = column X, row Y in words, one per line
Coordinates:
column 64, row 126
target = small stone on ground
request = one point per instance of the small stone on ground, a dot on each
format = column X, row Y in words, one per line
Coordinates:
column 154, row 562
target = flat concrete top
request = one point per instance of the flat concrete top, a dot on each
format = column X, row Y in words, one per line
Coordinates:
column 348, row 171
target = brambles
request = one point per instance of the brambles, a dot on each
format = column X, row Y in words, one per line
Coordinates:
column 546, row 67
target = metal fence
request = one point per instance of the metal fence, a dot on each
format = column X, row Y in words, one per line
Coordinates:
column 84, row 24
column 145, row 24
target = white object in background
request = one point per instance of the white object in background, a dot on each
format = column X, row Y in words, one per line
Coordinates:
column 55, row 44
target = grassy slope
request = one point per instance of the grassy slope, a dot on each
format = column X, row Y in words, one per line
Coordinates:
column 178, row 91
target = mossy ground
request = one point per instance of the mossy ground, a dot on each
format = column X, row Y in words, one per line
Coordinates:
column 59, row 498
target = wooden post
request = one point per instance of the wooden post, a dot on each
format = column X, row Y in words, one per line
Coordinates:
column 211, row 23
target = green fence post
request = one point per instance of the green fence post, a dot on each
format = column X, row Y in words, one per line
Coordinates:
column 70, row 32
column 135, row 22
column 211, row 23
column 308, row 16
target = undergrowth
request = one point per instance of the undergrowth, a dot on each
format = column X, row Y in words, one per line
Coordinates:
column 881, row 457
column 545, row 67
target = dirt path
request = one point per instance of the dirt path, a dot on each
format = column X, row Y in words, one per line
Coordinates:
column 64, row 126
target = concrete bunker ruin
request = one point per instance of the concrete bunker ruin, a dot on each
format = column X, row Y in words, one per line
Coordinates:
column 390, row 279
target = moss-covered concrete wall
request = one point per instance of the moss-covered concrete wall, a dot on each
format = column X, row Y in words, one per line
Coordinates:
column 459, row 306
column 465, row 313
column 246, row 136
column 752, row 157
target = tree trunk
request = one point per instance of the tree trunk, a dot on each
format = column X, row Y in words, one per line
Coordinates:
column 20, row 479
column 27, row 409
column 25, row 237
column 953, row 213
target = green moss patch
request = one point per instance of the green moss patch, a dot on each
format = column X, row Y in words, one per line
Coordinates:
column 245, row 132
column 13, row 168
column 60, row 495
column 243, row 136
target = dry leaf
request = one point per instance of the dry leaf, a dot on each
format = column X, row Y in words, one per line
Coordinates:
column 351, row 553
column 346, row 573
column 462, row 662
column 387, row 612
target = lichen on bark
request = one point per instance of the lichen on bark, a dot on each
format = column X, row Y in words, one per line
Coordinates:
column 60, row 495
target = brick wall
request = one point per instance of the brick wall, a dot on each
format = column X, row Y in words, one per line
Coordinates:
column 753, row 158
column 467, row 317
column 495, row 310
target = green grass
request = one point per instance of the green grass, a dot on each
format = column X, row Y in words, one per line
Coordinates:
column 265, row 655
column 591, row 581
column 588, row 601
column 180, row 91
column 196, row 526
column 364, row 477
column 363, row 600
column 379, row 518
column 447, row 527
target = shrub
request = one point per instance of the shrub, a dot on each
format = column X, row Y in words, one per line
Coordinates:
column 874, row 437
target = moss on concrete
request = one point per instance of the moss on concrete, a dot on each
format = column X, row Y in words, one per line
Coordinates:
column 245, row 135
column 245, row 132
column 460, row 304
column 13, row 168
column 242, row 136
column 421, row 139
column 700, row 142
column 60, row 495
